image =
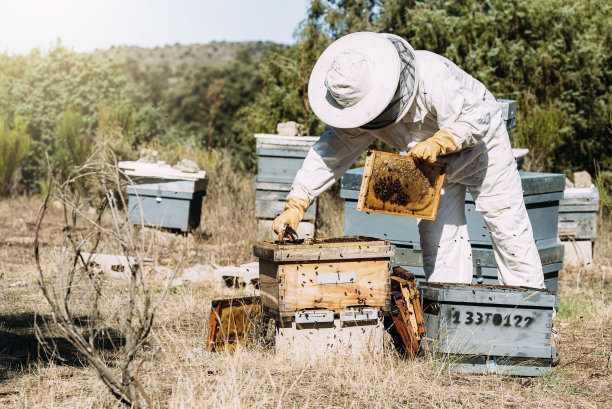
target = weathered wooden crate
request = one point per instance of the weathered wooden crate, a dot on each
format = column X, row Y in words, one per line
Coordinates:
column 489, row 329
column 327, row 274
column 578, row 213
column 485, row 266
column 161, row 196
column 541, row 191
column 280, row 157
column 233, row 321
column 398, row 185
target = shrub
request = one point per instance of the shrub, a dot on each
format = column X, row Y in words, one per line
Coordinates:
column 14, row 145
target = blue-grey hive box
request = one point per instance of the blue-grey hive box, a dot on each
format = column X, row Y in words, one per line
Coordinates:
column 578, row 213
column 508, row 107
column 541, row 192
column 489, row 329
column 279, row 159
column 160, row 196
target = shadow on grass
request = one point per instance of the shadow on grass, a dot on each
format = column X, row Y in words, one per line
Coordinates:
column 20, row 348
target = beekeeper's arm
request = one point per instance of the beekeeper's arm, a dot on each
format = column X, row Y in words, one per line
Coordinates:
column 330, row 157
column 462, row 114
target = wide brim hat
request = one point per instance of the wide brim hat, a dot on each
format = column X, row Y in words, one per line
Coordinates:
column 391, row 87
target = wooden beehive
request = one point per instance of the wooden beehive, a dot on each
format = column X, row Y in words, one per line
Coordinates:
column 398, row 185
column 489, row 328
column 232, row 321
column 323, row 274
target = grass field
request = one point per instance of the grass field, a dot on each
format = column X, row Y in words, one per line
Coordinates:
column 179, row 373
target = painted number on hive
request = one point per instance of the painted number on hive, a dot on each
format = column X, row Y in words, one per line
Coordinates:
column 478, row 318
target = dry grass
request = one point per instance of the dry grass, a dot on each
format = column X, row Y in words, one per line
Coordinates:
column 179, row 373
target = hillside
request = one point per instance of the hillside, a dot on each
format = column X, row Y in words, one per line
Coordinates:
column 174, row 55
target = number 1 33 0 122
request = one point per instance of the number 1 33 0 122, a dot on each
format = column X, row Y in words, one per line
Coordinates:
column 479, row 318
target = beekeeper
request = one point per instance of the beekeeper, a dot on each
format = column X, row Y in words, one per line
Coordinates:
column 369, row 85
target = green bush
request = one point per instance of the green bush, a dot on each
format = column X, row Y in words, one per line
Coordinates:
column 14, row 145
column 72, row 143
column 554, row 57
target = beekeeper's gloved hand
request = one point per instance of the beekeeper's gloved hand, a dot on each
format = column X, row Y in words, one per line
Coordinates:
column 291, row 217
column 440, row 144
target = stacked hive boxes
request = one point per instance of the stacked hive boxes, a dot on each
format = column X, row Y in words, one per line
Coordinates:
column 279, row 159
column 542, row 192
column 578, row 223
column 161, row 196
column 326, row 296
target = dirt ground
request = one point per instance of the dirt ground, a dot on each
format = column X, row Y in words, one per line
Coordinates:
column 179, row 373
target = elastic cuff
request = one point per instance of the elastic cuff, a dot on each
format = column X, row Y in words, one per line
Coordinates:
column 302, row 192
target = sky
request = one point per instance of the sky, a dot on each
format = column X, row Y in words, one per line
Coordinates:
column 86, row 25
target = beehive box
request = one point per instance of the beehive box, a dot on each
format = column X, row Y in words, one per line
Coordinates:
column 331, row 335
column 508, row 107
column 270, row 201
column 485, row 266
column 326, row 296
column 161, row 196
column 541, row 191
column 489, row 329
column 280, row 157
column 325, row 274
column 398, row 185
column 578, row 213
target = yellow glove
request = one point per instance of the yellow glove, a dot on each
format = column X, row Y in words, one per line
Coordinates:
column 291, row 217
column 440, row 144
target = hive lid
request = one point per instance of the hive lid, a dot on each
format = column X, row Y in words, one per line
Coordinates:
column 533, row 182
column 339, row 248
column 158, row 170
column 489, row 294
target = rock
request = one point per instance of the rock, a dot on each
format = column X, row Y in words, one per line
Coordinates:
column 114, row 265
column 244, row 276
column 582, row 179
column 199, row 273
column 186, row 165
column 568, row 183
column 290, row 128
column 148, row 156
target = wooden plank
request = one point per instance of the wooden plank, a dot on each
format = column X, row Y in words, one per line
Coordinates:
column 269, row 285
column 325, row 249
column 162, row 171
column 213, row 326
column 302, row 291
column 398, row 185
column 489, row 294
column 403, row 327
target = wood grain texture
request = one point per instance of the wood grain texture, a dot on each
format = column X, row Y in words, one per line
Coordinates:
column 397, row 185
column 298, row 288
column 345, row 248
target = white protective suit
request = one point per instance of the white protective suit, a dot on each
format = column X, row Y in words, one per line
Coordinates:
column 447, row 97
